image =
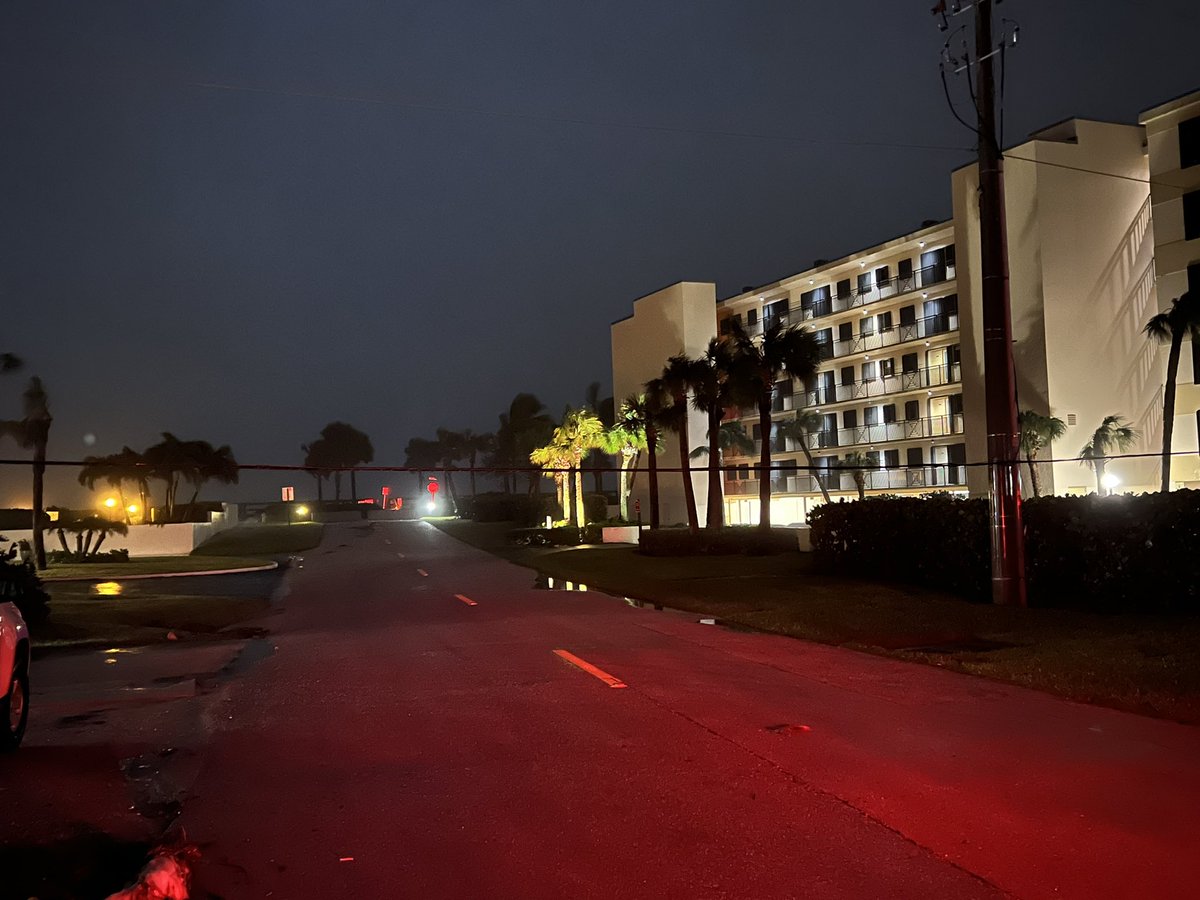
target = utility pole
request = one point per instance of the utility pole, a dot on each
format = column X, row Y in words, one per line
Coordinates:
column 1007, row 531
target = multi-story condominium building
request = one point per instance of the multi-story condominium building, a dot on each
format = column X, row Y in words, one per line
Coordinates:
column 1173, row 139
column 901, row 376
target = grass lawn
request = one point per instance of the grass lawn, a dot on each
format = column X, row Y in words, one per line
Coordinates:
column 149, row 565
column 89, row 620
column 1146, row 664
column 262, row 540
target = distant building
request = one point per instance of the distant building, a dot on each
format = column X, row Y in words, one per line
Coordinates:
column 901, row 380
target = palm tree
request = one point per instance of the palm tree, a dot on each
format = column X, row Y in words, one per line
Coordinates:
column 645, row 410
column 758, row 362
column 858, row 463
column 677, row 378
column 451, row 449
column 1114, row 433
column 1037, row 432
column 32, row 431
column 524, row 428
column 800, row 429
column 115, row 470
column 422, row 454
column 208, row 463
column 605, row 410
column 87, row 528
column 557, row 458
column 580, row 432
column 347, row 447
column 627, row 439
column 711, row 396
column 167, row 461
column 1178, row 322
column 318, row 463
column 472, row 445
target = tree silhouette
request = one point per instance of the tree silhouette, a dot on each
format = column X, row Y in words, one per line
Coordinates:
column 1037, row 432
column 1173, row 325
column 1114, row 433
column 32, row 431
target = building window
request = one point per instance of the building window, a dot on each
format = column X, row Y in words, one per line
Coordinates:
column 775, row 310
column 904, row 276
column 752, row 317
column 850, row 418
column 727, row 325
column 866, row 325
column 847, row 375
column 887, row 368
column 825, row 340
column 881, row 276
column 1193, row 271
column 865, row 283
column 806, row 299
column 908, row 315
column 843, row 289
column 889, row 413
column 1189, row 143
column 846, row 331
column 912, row 411
column 885, row 321
column 1191, row 216
column 891, row 459
column 933, row 266
column 871, row 415
column 822, row 303
column 870, row 371
column 908, row 363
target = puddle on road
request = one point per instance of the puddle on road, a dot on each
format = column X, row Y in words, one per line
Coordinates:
column 548, row 583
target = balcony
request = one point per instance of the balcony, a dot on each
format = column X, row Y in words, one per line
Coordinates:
column 878, row 433
column 904, row 333
column 897, row 286
column 931, row 376
column 938, row 476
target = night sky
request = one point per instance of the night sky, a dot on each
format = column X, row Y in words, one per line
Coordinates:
column 240, row 220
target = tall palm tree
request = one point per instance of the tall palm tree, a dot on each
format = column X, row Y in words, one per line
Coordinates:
column 758, row 363
column 422, row 454
column 627, row 439
column 525, row 427
column 580, row 432
column 1178, row 322
column 115, row 470
column 450, row 443
column 1114, row 433
column 32, row 431
column 472, row 445
column 557, row 458
column 605, row 410
column 805, row 424
column 208, row 463
column 348, row 447
column 645, row 409
column 1037, row 432
column 318, row 462
column 677, row 378
column 711, row 396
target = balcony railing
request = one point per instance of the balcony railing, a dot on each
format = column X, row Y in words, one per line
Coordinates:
column 893, row 287
column 930, row 376
column 903, row 333
column 878, row 433
column 940, row 475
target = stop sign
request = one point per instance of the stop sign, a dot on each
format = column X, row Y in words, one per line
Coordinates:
column 433, row 487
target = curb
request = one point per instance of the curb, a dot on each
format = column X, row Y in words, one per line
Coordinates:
column 264, row 568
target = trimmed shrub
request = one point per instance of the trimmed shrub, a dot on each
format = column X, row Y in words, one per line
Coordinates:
column 108, row 556
column 563, row 536
column 1110, row 554
column 498, row 507
column 725, row 542
column 595, row 507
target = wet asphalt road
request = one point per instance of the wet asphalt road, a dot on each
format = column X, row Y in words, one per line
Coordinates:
column 430, row 725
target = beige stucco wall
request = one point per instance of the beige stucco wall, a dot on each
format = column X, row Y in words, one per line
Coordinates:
column 1172, row 255
column 1081, row 285
column 681, row 318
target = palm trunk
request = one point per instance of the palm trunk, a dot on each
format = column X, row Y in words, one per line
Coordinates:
column 597, row 476
column 1169, row 406
column 561, row 492
column 124, row 505
column 337, row 485
column 87, row 543
column 633, row 470
column 1033, row 474
column 579, row 510
column 320, row 476
column 812, row 467
column 764, row 462
column 62, row 540
column 652, row 473
column 1098, row 465
column 39, row 478
column 471, row 460
column 689, row 489
column 353, row 486
column 96, row 549
column 860, row 482
column 716, row 505
column 624, row 486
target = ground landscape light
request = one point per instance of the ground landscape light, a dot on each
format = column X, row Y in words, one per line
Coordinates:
column 110, row 502
column 1109, row 481
column 302, row 510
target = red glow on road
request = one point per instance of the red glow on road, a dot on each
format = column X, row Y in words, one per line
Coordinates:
column 586, row 666
column 466, row 600
column 422, row 573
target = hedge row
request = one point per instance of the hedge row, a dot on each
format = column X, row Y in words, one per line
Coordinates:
column 524, row 508
column 1122, row 553
column 723, row 542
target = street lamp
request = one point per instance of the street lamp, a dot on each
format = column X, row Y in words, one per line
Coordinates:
column 1109, row 481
